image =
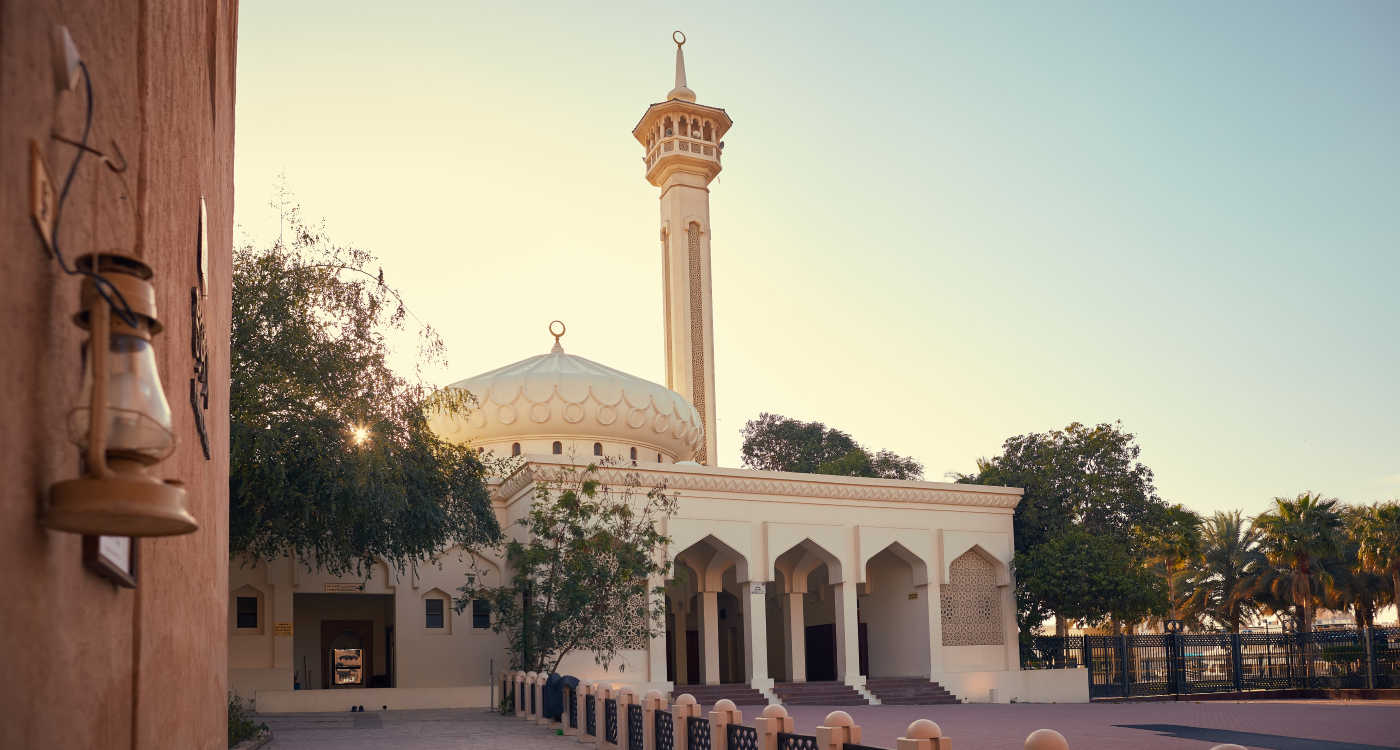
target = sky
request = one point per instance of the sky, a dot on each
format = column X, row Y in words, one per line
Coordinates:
column 938, row 225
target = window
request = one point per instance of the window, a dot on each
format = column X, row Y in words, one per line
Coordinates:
column 634, row 454
column 434, row 613
column 247, row 612
column 558, row 447
column 515, row 449
column 481, row 614
column 597, row 449
column 658, row 458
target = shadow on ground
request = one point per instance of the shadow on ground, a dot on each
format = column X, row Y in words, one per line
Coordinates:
column 1249, row 739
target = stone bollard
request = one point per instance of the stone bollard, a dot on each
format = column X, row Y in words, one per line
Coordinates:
column 923, row 735
column 532, row 705
column 585, row 692
column 721, row 716
column 774, row 719
column 521, row 700
column 1046, row 739
column 653, row 702
column 836, row 730
column 681, row 711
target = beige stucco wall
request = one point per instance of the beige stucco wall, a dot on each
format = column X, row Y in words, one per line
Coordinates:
column 87, row 664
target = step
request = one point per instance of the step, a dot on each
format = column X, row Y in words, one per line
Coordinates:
column 818, row 694
column 907, row 691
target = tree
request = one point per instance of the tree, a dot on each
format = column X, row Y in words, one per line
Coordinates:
column 1299, row 537
column 1175, row 541
column 777, row 443
column 1215, row 582
column 1359, row 583
column 1379, row 544
column 1090, row 578
column 582, row 569
column 1078, row 478
column 331, row 456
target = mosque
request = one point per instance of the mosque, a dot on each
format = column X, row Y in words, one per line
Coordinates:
column 796, row 587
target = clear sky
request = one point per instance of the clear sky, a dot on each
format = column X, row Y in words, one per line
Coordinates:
column 938, row 225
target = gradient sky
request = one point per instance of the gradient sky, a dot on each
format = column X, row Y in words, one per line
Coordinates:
column 939, row 224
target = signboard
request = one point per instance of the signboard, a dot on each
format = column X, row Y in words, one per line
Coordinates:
column 282, row 628
column 914, row 595
column 344, row 588
column 349, row 666
column 757, row 588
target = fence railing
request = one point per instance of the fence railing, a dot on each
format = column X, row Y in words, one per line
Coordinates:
column 684, row 726
column 1187, row 663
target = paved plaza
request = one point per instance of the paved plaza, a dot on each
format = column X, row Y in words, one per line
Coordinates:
column 1257, row 725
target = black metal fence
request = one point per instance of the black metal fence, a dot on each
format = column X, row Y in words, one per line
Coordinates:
column 1186, row 663
column 665, row 731
column 788, row 741
column 634, row 727
column 697, row 733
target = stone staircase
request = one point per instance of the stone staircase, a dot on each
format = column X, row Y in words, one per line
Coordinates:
column 818, row 694
column 908, row 691
column 706, row 695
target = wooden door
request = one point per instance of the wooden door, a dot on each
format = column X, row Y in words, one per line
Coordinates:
column 346, row 635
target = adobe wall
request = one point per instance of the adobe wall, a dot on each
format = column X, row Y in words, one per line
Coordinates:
column 88, row 664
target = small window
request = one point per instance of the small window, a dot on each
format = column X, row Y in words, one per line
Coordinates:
column 434, row 613
column 658, row 458
column 597, row 449
column 634, row 454
column 558, row 447
column 481, row 614
column 247, row 612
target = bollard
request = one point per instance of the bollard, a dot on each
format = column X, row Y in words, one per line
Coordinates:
column 684, row 708
column 774, row 719
column 721, row 716
column 625, row 698
column 653, row 702
column 923, row 735
column 1046, row 739
column 836, row 730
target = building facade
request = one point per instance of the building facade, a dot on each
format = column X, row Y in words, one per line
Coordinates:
column 781, row 579
column 115, row 642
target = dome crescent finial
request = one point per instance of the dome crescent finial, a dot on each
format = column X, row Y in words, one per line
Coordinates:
column 557, row 336
column 678, row 37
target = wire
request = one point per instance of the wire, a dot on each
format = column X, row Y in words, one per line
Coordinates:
column 100, row 283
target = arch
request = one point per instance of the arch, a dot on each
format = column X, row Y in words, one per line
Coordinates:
column 667, row 128
column 515, row 449
column 709, row 558
column 810, row 554
column 634, row 453
column 1000, row 569
column 708, row 131
column 731, row 536
column 597, row 449
column 971, row 601
column 917, row 562
column 557, row 448
column 894, row 611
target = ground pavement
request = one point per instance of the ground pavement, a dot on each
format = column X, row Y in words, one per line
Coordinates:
column 1257, row 725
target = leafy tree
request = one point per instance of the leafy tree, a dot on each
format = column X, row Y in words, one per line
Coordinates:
column 1084, row 479
column 1379, row 544
column 582, row 567
column 777, row 443
column 1299, row 537
column 1092, row 578
column 1214, row 583
column 331, row 456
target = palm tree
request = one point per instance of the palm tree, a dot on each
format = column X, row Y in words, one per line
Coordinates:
column 1216, row 583
column 1380, row 544
column 1357, row 585
column 1299, row 537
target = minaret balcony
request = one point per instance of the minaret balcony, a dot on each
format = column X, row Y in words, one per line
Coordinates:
column 691, row 148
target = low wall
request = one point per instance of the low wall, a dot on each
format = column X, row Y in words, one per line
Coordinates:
column 373, row 699
column 1028, row 686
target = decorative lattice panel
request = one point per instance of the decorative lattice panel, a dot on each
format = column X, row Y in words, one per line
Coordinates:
column 971, row 603
column 610, row 720
column 665, row 731
column 797, row 742
column 573, row 708
column 590, row 716
column 741, row 737
column 697, row 733
column 634, row 727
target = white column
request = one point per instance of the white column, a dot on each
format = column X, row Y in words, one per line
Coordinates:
column 797, row 637
column 847, row 634
column 709, row 637
column 678, row 645
column 756, row 637
column 656, row 649
column 935, row 628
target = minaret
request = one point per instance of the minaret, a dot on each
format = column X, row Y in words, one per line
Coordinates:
column 682, row 141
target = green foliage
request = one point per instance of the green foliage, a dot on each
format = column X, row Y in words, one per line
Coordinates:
column 1378, row 543
column 331, row 456
column 242, row 724
column 1082, row 483
column 777, row 443
column 1214, row 583
column 586, row 569
column 1301, row 538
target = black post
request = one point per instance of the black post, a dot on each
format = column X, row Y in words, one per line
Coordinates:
column 1126, row 654
column 1086, row 653
column 1175, row 656
column 1236, row 661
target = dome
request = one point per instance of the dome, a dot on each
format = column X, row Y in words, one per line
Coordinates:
column 560, row 395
